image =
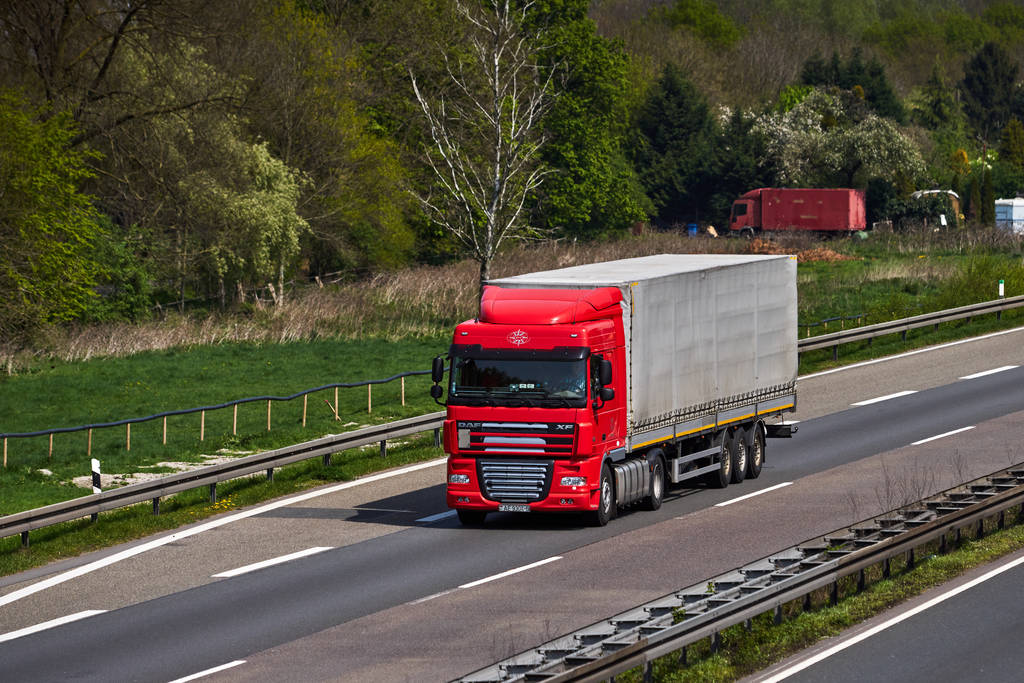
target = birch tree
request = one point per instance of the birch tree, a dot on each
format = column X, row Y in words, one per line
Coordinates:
column 485, row 131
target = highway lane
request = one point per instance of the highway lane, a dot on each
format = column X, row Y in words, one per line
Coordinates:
column 967, row 630
column 225, row 619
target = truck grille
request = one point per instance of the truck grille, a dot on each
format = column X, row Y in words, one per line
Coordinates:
column 515, row 481
column 534, row 438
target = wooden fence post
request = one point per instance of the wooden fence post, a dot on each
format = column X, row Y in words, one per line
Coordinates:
column 336, row 405
column 202, row 425
column 369, row 398
column 268, row 414
column 234, row 421
column 88, row 449
column 50, row 455
column 128, row 436
column 305, row 400
column 5, row 452
column 165, row 430
column 403, row 391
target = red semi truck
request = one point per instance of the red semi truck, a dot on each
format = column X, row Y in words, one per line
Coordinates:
column 591, row 388
column 824, row 210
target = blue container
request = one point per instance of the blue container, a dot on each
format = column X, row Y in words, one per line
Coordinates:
column 691, row 229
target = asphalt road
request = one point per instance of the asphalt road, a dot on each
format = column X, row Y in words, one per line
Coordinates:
column 395, row 596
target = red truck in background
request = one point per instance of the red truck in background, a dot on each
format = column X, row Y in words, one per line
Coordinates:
column 823, row 210
column 590, row 388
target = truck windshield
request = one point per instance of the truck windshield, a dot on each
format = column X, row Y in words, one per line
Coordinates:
column 545, row 383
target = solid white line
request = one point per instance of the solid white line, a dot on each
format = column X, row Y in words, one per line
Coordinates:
column 510, row 572
column 28, row 630
column 796, row 668
column 940, row 436
column 431, row 597
column 206, row 526
column 271, row 562
column 438, row 516
column 216, row 669
column 989, row 372
column 911, row 353
column 883, row 398
column 751, row 495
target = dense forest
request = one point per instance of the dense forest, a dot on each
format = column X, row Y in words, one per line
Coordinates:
column 155, row 152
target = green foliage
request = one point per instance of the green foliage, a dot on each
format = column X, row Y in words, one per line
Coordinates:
column 1011, row 144
column 673, row 147
column 47, row 225
column 869, row 77
column 987, row 88
column 703, row 19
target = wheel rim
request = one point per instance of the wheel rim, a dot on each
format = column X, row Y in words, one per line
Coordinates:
column 656, row 486
column 757, row 455
column 726, row 461
column 606, row 495
column 741, row 456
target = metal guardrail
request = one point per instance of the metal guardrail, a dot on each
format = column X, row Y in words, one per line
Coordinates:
column 903, row 325
column 23, row 522
column 639, row 636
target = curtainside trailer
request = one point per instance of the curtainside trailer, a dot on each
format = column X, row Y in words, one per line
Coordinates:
column 594, row 387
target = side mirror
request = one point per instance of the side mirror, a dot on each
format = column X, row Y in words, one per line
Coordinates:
column 606, row 394
column 437, row 392
column 604, row 372
column 437, row 370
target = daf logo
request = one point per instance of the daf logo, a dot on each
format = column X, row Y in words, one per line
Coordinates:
column 518, row 338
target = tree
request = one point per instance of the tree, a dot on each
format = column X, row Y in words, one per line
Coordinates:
column 988, row 88
column 674, row 146
column 47, row 225
column 486, row 134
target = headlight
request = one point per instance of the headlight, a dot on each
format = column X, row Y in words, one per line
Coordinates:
column 458, row 478
column 574, row 481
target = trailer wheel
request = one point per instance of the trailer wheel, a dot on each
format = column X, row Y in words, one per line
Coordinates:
column 472, row 517
column 755, row 452
column 657, row 491
column 720, row 478
column 606, row 504
column 739, row 455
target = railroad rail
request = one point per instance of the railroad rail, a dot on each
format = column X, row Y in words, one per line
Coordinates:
column 87, row 506
column 669, row 624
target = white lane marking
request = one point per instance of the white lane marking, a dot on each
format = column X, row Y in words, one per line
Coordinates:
column 271, row 562
column 911, row 353
column 510, row 572
column 751, row 495
column 437, row 517
column 431, row 597
column 206, row 526
column 940, row 436
column 796, row 668
column 208, row 672
column 985, row 373
column 60, row 621
column 883, row 398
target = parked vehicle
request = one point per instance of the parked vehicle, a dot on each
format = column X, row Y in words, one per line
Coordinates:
column 1010, row 215
column 771, row 209
column 591, row 388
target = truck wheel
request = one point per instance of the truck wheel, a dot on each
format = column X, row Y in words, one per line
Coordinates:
column 720, row 479
column 472, row 517
column 755, row 452
column 657, row 491
column 739, row 456
column 606, row 504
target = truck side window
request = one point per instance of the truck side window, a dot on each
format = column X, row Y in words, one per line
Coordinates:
column 595, row 375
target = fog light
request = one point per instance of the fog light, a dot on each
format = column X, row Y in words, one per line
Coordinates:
column 462, row 499
column 458, row 478
column 565, row 501
column 574, row 481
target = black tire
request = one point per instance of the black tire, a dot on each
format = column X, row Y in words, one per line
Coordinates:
column 472, row 517
column 657, row 490
column 755, row 452
column 739, row 456
column 605, row 511
column 720, row 478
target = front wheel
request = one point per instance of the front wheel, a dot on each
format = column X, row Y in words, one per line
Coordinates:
column 606, row 504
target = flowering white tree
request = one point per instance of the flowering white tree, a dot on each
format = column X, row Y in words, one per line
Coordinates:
column 826, row 141
column 487, row 135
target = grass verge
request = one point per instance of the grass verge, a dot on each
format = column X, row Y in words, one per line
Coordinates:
column 74, row 538
column 742, row 652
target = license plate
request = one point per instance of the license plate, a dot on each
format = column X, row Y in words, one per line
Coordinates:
column 513, row 507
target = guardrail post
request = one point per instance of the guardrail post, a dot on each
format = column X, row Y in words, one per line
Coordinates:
column 834, row 594
column 270, row 474
column 862, row 578
column 437, row 438
column 682, row 656
column 778, row 615
column 327, row 459
column 213, row 493
column 648, row 672
column 384, row 449
column 835, row 352
column 910, row 559
column 716, row 642
column 24, row 539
